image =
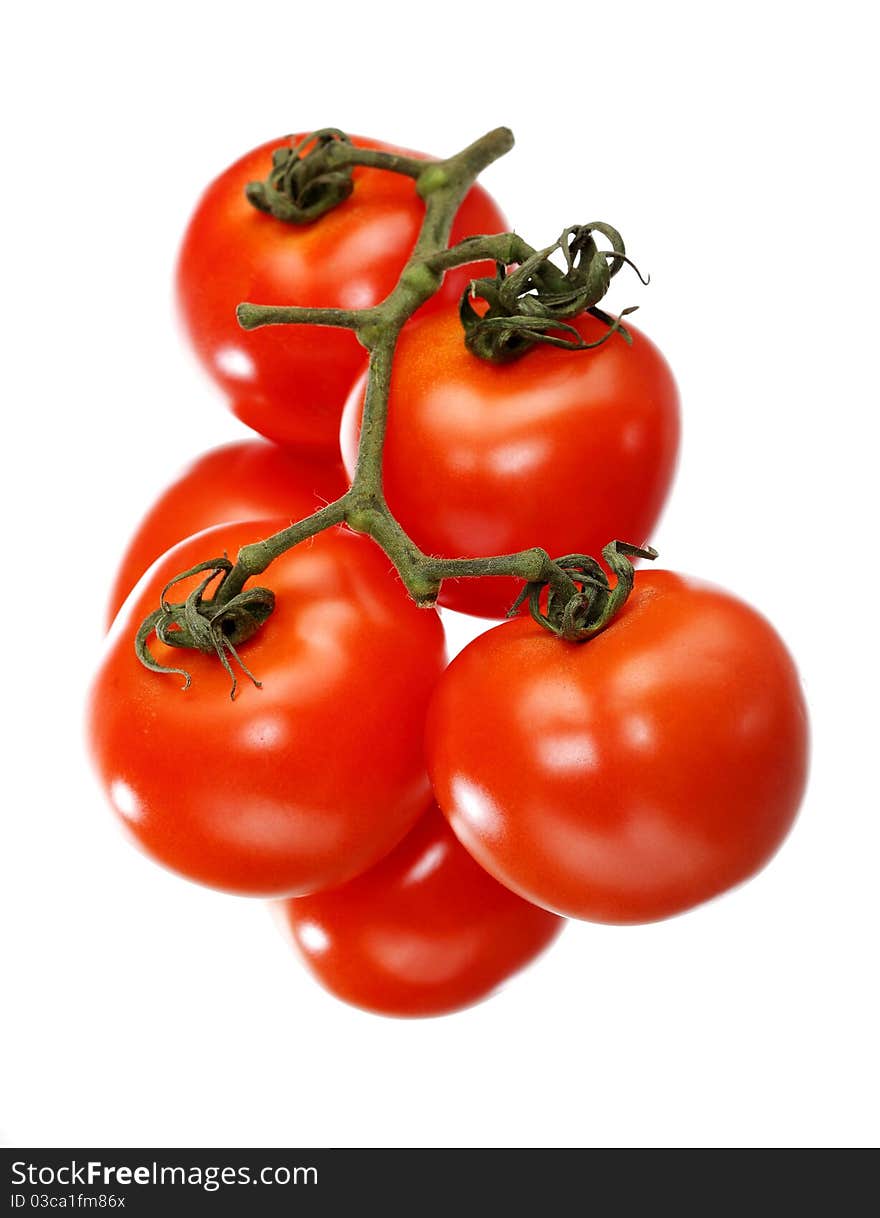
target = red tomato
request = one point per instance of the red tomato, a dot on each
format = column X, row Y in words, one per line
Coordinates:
column 424, row 932
column 630, row 777
column 295, row 786
column 290, row 382
column 249, row 480
column 560, row 449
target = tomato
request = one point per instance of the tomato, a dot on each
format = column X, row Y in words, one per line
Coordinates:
column 424, row 932
column 560, row 449
column 630, row 777
column 290, row 382
column 248, row 480
column 295, row 786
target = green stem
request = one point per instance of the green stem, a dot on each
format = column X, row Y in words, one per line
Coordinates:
column 496, row 247
column 443, row 185
column 251, row 317
column 341, row 155
column 255, row 558
column 533, row 566
column 366, row 487
column 576, row 582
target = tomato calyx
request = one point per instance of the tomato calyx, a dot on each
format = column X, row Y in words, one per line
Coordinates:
column 303, row 183
column 595, row 603
column 531, row 303
column 216, row 625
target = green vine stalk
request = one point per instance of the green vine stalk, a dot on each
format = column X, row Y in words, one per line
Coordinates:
column 533, row 303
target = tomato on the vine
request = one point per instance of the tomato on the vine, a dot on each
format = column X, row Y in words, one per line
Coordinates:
column 560, row 449
column 248, row 480
column 285, row 381
column 300, row 784
column 630, row 777
column 424, row 932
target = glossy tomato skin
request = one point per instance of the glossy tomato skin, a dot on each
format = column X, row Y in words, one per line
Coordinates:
column 424, row 932
column 631, row 777
column 567, row 450
column 248, row 480
column 290, row 382
column 298, row 785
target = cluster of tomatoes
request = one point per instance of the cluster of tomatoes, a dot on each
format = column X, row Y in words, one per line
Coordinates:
column 426, row 828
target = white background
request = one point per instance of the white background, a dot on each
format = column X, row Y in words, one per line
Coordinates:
column 732, row 146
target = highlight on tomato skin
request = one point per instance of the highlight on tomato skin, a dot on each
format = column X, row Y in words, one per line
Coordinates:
column 245, row 480
column 559, row 449
column 631, row 777
column 424, row 932
column 295, row 786
column 286, row 382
